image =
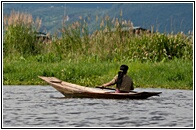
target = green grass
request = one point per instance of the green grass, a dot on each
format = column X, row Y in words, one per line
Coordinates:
column 175, row 74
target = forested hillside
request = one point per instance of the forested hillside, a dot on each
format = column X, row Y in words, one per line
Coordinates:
column 164, row 17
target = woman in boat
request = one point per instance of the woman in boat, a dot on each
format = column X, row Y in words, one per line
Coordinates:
column 123, row 82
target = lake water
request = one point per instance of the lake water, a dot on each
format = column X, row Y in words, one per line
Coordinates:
column 44, row 107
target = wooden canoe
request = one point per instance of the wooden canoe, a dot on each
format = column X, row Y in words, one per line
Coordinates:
column 71, row 90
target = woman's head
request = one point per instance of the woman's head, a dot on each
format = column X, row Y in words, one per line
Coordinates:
column 124, row 68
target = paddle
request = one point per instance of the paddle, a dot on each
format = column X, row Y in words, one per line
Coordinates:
column 113, row 89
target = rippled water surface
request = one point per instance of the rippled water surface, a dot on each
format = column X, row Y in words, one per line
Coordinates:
column 43, row 106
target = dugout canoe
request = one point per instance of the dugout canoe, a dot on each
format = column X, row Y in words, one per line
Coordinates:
column 70, row 90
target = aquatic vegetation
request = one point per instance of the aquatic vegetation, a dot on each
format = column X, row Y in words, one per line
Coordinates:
column 78, row 56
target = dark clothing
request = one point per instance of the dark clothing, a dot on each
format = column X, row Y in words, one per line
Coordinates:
column 126, row 85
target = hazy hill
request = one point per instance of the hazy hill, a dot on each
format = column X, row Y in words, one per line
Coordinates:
column 165, row 17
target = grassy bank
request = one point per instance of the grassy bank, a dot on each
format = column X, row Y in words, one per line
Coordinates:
column 155, row 60
column 175, row 74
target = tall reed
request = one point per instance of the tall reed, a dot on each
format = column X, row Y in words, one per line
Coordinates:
column 109, row 42
column 19, row 34
column 145, row 47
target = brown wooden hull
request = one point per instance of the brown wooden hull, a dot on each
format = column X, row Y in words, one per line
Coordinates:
column 70, row 90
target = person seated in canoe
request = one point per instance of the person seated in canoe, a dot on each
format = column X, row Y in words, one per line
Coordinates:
column 123, row 82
